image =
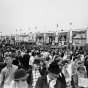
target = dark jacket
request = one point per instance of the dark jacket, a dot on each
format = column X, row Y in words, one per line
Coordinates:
column 30, row 77
column 15, row 62
column 43, row 71
column 62, row 80
column 19, row 59
column 25, row 61
column 42, row 83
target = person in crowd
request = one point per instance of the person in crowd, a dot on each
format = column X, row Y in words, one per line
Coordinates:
column 23, row 51
column 74, row 64
column 79, row 74
column 66, row 70
column 43, row 68
column 37, row 56
column 20, row 79
column 6, row 54
column 82, row 56
column 1, row 57
column 81, row 63
column 34, row 73
column 65, row 55
column 57, row 58
column 31, row 59
column 2, row 64
column 15, row 60
column 86, row 64
column 7, row 73
column 47, row 61
column 19, row 57
column 61, row 76
column 51, row 79
column 62, row 54
column 25, row 60
column 53, row 55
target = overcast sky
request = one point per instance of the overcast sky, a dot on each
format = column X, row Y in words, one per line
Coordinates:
column 43, row 14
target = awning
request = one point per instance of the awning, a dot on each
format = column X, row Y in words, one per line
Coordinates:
column 80, row 36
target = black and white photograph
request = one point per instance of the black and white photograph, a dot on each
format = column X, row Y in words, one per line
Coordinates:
column 43, row 43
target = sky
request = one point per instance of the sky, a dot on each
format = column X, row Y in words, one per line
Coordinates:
column 27, row 15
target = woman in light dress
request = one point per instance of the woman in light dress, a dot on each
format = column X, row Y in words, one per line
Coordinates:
column 81, row 73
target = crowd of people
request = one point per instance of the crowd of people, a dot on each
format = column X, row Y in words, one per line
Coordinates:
column 36, row 68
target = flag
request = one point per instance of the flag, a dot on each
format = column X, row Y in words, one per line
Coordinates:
column 57, row 25
column 62, row 30
column 70, row 23
column 35, row 27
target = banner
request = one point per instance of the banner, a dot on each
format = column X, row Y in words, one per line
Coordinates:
column 83, row 82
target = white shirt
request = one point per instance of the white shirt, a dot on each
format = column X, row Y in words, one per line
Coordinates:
column 31, row 60
column 52, row 83
column 48, row 79
column 65, row 57
column 14, row 85
column 22, row 54
column 82, row 57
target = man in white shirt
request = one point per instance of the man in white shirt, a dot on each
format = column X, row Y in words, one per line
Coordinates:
column 51, row 79
column 31, row 60
column 7, row 72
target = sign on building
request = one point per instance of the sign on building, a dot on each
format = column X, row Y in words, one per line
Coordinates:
column 79, row 37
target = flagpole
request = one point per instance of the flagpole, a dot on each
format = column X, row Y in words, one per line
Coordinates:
column 56, row 27
column 87, row 36
column 70, row 26
column 35, row 34
column 20, row 31
column 1, row 35
column 28, row 30
column 70, row 34
column 45, row 35
column 45, row 28
column 10, row 34
column 16, row 31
